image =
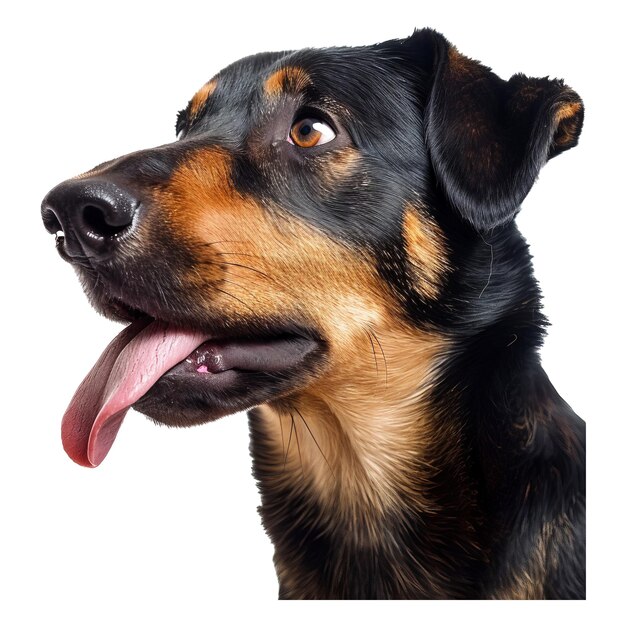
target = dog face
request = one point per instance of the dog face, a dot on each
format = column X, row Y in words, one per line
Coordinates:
column 313, row 202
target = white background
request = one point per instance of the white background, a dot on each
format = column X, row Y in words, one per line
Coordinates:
column 166, row 530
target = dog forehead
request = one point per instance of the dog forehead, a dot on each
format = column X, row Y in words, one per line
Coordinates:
column 352, row 75
column 372, row 90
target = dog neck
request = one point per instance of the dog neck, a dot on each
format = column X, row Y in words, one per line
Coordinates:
column 358, row 437
column 358, row 457
column 370, row 476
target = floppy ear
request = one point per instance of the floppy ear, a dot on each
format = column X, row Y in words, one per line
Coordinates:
column 488, row 138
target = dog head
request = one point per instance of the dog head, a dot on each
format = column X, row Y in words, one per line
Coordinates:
column 312, row 202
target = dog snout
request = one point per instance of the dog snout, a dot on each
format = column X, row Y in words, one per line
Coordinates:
column 89, row 217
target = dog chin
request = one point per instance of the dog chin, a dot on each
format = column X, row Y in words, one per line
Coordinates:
column 186, row 397
column 180, row 399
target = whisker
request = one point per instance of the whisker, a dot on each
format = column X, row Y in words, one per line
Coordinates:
column 369, row 336
column 235, row 298
column 224, row 263
column 288, row 443
column 383, row 353
column 215, row 243
column 247, row 267
column 221, row 264
column 315, row 440
column 282, row 434
column 232, row 282
column 210, row 244
column 255, row 256
column 490, row 267
column 298, row 444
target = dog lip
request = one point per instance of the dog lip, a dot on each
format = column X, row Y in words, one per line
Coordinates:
column 121, row 309
column 243, row 362
column 275, row 337
column 221, row 377
column 269, row 355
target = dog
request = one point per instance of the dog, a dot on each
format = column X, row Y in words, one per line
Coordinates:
column 330, row 244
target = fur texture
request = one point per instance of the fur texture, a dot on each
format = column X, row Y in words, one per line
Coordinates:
column 419, row 449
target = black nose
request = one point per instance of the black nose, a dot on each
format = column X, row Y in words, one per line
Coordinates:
column 90, row 217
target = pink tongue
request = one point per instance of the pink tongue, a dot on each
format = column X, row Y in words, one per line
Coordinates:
column 125, row 371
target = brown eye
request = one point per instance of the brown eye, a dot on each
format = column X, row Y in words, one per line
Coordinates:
column 310, row 132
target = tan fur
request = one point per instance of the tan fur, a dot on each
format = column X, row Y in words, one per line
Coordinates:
column 568, row 110
column 292, row 267
column 426, row 251
column 566, row 123
column 462, row 67
column 338, row 165
column 523, row 587
column 368, row 425
column 359, row 431
column 291, row 79
column 528, row 582
column 367, row 420
column 200, row 97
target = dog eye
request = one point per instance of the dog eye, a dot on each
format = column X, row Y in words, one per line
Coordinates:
column 310, row 132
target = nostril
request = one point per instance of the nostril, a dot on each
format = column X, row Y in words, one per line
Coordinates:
column 51, row 221
column 99, row 224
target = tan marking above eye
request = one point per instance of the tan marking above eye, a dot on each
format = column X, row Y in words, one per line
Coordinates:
column 291, row 79
column 200, row 97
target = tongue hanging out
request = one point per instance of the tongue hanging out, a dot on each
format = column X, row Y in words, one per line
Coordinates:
column 125, row 371
column 240, row 373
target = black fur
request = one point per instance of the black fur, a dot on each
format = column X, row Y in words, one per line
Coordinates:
column 434, row 128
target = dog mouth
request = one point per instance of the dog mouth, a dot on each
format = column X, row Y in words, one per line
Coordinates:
column 180, row 376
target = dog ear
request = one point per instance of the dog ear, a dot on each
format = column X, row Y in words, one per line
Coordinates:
column 487, row 137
